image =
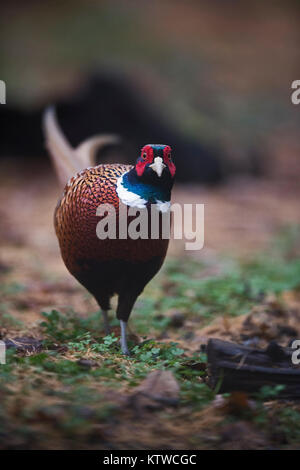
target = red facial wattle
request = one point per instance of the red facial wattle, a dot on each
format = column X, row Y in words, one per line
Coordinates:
column 141, row 164
column 168, row 160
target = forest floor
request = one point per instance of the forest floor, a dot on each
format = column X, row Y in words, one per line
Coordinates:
column 70, row 388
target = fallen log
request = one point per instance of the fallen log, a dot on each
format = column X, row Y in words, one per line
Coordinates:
column 234, row 367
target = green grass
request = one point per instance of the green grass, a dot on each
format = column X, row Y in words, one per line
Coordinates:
column 238, row 286
column 58, row 374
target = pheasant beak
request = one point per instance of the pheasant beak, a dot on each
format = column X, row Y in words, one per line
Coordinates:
column 158, row 166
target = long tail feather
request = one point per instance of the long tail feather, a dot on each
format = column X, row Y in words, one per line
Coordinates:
column 87, row 150
column 67, row 160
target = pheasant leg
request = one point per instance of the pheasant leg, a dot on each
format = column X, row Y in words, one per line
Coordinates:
column 106, row 322
column 124, row 346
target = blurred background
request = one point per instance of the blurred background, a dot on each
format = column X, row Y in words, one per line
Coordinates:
column 210, row 78
column 211, row 73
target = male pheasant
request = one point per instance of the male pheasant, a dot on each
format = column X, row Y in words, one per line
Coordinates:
column 120, row 265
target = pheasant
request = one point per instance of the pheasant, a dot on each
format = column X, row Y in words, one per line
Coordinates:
column 121, row 265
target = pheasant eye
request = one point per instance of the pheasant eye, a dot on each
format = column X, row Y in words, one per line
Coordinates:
column 144, row 155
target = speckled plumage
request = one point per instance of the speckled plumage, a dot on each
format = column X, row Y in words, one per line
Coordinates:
column 108, row 266
column 75, row 216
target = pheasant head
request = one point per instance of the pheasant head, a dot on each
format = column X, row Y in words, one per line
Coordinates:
column 151, row 180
